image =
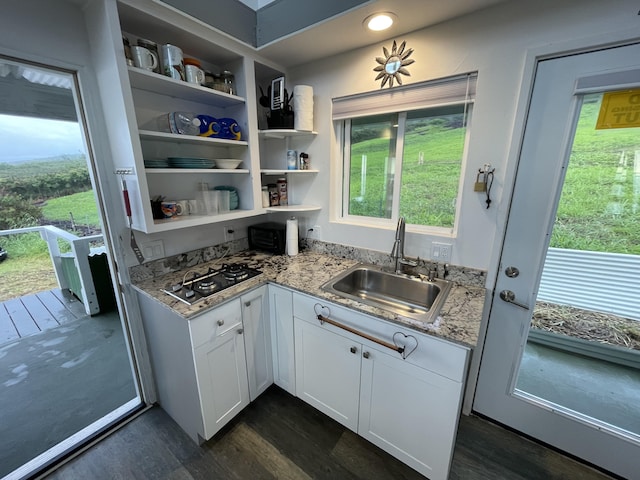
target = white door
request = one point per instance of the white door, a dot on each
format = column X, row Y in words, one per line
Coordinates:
column 564, row 89
column 409, row 411
column 221, row 370
column 283, row 347
column 257, row 338
column 328, row 372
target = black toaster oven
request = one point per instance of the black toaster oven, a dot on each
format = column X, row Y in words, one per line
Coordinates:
column 269, row 237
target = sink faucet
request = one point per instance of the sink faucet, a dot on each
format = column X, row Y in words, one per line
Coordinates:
column 397, row 253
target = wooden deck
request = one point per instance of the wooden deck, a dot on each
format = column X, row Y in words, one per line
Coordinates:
column 31, row 314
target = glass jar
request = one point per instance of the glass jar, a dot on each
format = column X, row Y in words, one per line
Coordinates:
column 218, row 83
column 228, row 81
column 265, row 196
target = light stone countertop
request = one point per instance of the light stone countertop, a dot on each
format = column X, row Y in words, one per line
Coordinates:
column 459, row 319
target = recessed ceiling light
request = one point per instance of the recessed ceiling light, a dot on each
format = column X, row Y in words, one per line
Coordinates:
column 379, row 21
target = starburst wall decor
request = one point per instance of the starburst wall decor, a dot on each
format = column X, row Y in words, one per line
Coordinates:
column 393, row 64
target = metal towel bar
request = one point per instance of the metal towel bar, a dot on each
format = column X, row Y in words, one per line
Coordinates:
column 401, row 349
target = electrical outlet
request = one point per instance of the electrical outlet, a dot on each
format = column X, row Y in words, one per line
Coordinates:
column 152, row 250
column 314, row 232
column 441, row 252
column 229, row 233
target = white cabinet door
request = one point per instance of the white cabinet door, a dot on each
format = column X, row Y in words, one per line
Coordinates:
column 257, row 341
column 328, row 372
column 281, row 314
column 221, row 368
column 410, row 412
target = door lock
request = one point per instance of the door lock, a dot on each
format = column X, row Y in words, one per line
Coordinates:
column 510, row 297
column 511, row 272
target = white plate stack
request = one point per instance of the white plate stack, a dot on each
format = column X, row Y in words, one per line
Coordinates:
column 303, row 107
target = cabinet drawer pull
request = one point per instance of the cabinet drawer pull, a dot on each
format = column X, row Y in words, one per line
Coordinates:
column 220, row 323
column 353, row 350
column 401, row 349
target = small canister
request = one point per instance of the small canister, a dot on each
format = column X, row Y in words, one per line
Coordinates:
column 292, row 160
column 304, row 161
column 282, row 191
column 274, row 199
column 127, row 51
column 265, row 196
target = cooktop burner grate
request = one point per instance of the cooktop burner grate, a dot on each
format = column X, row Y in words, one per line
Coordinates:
column 199, row 286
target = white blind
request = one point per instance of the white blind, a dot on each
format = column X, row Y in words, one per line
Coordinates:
column 434, row 93
column 609, row 81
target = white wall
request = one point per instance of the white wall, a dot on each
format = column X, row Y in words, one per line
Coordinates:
column 495, row 42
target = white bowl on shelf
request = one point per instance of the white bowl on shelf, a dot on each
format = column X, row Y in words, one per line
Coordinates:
column 227, row 163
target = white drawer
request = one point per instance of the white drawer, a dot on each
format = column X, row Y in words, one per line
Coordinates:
column 431, row 353
column 216, row 322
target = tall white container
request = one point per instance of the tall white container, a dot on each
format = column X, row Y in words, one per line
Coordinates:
column 303, row 108
column 292, row 236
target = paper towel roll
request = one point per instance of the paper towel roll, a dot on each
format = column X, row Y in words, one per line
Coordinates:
column 303, row 107
column 292, row 236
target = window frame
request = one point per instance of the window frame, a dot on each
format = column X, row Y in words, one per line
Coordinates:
column 343, row 127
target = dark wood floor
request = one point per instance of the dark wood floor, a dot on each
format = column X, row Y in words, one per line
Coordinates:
column 31, row 314
column 280, row 437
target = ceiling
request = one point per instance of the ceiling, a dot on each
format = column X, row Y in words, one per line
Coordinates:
column 346, row 32
column 296, row 32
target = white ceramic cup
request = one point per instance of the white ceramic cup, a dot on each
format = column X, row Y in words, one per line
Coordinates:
column 182, row 207
column 144, row 58
column 194, row 74
column 194, row 207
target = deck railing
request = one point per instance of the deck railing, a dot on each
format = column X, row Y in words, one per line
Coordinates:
column 80, row 251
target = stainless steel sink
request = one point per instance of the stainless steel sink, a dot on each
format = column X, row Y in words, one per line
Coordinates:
column 409, row 296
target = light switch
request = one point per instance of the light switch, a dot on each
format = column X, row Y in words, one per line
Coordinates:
column 152, row 250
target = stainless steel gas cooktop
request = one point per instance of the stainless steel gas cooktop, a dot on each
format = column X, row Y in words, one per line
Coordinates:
column 198, row 286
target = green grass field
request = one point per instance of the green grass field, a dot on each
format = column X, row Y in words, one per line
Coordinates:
column 28, row 253
column 82, row 205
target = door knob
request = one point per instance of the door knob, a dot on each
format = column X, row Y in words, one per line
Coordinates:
column 240, row 331
column 353, row 350
column 365, row 354
column 220, row 323
column 510, row 297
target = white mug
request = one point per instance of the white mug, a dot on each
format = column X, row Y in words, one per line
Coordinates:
column 182, row 207
column 194, row 74
column 144, row 58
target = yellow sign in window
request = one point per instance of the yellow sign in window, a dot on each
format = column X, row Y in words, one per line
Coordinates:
column 619, row 110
